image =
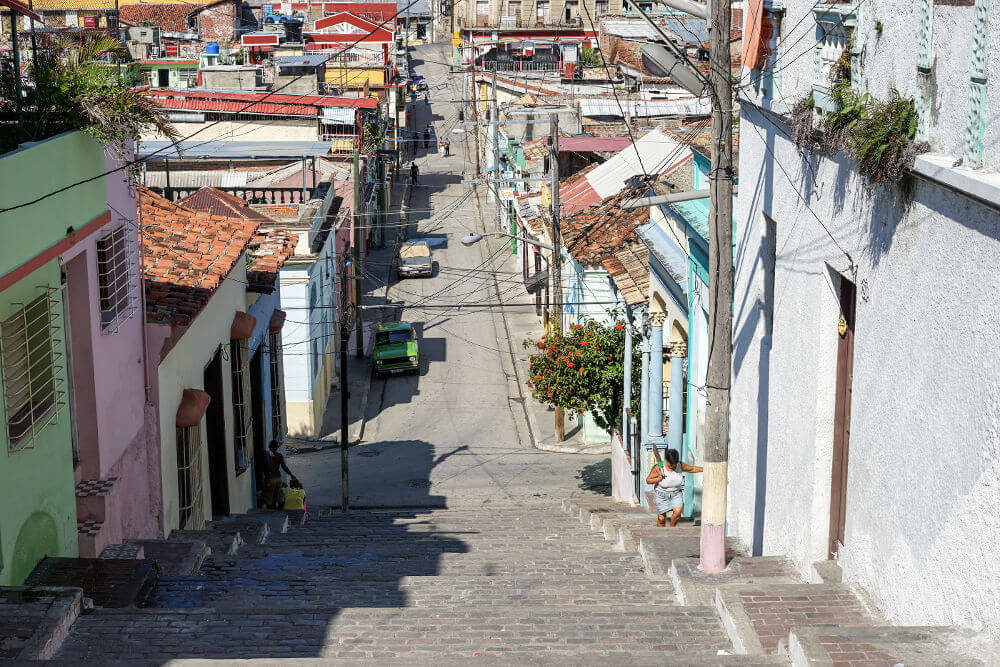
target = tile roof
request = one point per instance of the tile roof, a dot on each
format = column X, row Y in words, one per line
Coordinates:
column 168, row 17
column 629, row 268
column 217, row 202
column 269, row 250
column 186, row 256
column 597, row 233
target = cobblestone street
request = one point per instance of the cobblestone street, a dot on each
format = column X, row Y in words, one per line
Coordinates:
column 516, row 584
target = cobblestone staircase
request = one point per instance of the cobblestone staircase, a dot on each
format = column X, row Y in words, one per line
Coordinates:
column 766, row 609
column 518, row 584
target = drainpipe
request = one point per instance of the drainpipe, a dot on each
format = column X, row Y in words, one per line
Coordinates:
column 627, row 385
column 655, row 396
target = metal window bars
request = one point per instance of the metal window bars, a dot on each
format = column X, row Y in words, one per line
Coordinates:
column 277, row 388
column 242, row 419
column 32, row 379
column 116, row 279
column 189, row 501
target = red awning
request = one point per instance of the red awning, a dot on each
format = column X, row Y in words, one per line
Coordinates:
column 193, row 405
column 243, row 326
column 20, row 8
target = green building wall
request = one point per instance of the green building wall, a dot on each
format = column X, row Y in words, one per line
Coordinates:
column 38, row 515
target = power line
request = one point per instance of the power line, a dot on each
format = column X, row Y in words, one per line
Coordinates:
column 174, row 143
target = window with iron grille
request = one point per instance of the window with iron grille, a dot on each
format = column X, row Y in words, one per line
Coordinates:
column 190, row 509
column 243, row 431
column 277, row 385
column 602, row 7
column 114, row 279
column 31, row 378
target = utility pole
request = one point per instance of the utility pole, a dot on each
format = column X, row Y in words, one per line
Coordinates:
column 720, row 272
column 356, row 242
column 475, row 110
column 495, row 139
column 345, row 332
column 556, row 261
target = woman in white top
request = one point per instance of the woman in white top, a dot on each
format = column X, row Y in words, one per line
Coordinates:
column 668, row 478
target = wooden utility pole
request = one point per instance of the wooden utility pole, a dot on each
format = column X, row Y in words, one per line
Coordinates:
column 495, row 139
column 345, row 332
column 357, row 236
column 720, row 285
column 556, row 260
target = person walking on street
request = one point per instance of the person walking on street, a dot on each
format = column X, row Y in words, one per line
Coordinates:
column 427, row 136
column 414, row 173
column 668, row 479
column 274, row 464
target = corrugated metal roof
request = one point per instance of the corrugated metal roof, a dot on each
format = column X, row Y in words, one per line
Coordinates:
column 650, row 155
column 645, row 108
column 197, row 179
column 623, row 27
column 275, row 98
column 239, row 107
column 418, row 8
column 300, row 61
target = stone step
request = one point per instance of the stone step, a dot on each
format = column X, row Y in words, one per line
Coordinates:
column 174, row 557
column 592, row 550
column 542, row 633
column 321, row 564
column 219, row 540
column 277, row 522
column 659, row 549
column 251, row 530
column 253, row 589
column 832, row 645
column 695, row 587
column 759, row 618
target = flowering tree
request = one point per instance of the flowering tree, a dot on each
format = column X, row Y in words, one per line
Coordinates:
column 583, row 369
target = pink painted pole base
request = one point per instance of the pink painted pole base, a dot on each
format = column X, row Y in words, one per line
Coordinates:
column 713, row 549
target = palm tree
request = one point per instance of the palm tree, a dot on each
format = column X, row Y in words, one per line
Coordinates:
column 74, row 86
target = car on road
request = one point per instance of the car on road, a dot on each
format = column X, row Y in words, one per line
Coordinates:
column 396, row 349
column 418, row 82
column 415, row 259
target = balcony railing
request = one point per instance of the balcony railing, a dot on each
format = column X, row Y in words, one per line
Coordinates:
column 340, row 143
column 521, row 66
column 249, row 194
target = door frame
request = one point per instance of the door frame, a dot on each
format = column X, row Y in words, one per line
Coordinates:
column 217, row 445
column 842, row 415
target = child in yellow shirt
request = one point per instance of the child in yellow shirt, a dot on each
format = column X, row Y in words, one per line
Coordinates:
column 295, row 496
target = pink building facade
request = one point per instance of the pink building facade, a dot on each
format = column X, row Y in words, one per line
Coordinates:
column 116, row 438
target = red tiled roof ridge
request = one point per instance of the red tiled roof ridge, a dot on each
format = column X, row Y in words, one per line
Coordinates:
column 592, row 234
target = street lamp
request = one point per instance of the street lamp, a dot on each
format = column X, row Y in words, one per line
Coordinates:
column 472, row 239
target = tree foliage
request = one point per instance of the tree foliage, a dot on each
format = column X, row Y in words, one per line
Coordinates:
column 75, row 86
column 583, row 370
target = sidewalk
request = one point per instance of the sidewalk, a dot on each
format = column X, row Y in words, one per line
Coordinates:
column 378, row 266
column 513, row 325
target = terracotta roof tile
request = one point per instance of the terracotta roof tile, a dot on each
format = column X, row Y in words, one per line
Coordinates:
column 172, row 17
column 629, row 268
column 186, row 256
column 269, row 250
column 219, row 203
column 597, row 233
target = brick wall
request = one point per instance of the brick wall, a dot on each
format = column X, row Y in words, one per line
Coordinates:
column 278, row 211
column 216, row 22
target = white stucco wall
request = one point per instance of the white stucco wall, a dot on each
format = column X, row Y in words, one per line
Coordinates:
column 287, row 129
column 184, row 368
column 923, row 486
column 889, row 61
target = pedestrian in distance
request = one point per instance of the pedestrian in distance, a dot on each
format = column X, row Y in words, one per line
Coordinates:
column 668, row 496
column 274, row 463
column 414, row 173
column 427, row 136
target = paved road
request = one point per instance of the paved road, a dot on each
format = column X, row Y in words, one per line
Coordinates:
column 448, row 437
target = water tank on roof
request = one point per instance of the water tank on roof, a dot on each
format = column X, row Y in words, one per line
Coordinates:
column 212, row 48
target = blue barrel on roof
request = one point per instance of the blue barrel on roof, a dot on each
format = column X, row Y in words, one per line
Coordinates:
column 212, row 48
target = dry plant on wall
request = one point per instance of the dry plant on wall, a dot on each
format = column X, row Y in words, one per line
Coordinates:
column 878, row 134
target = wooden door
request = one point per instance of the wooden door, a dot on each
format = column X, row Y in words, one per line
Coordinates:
column 215, row 435
column 842, row 415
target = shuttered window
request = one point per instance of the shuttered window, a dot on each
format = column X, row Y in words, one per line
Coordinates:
column 190, row 506
column 277, row 388
column 242, row 420
column 31, row 376
column 115, row 279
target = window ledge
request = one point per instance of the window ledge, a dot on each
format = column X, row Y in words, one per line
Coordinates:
column 975, row 183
